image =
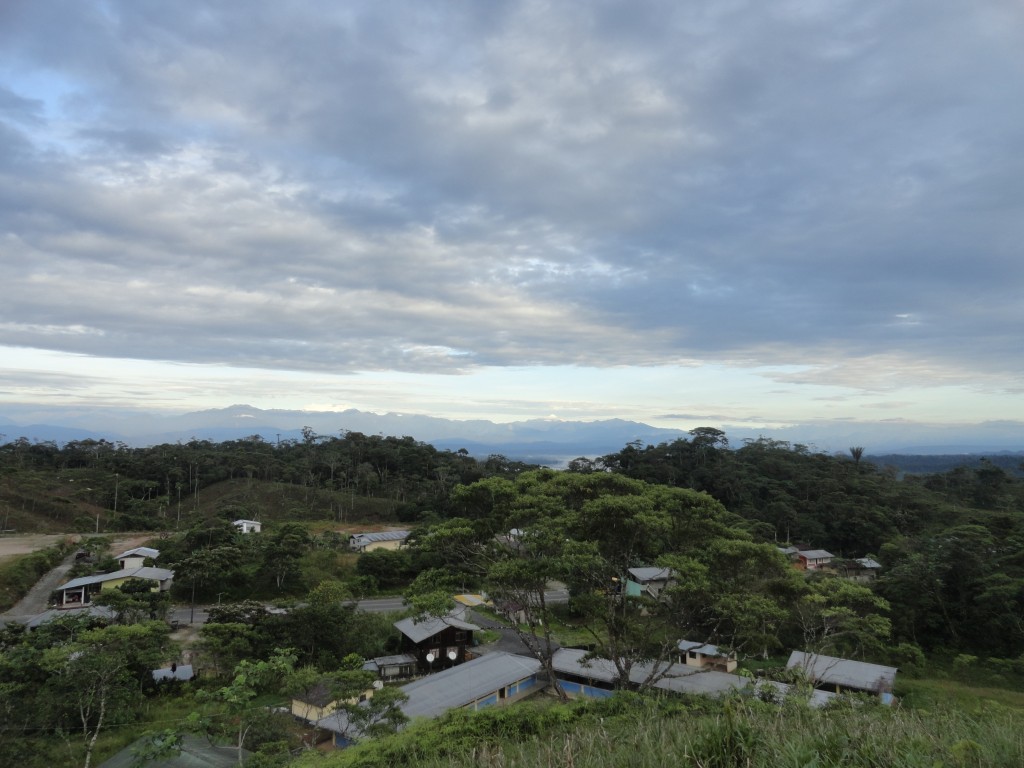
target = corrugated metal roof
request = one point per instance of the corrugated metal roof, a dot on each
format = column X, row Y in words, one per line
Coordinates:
column 678, row 677
column 705, row 648
column 434, row 695
column 97, row 611
column 651, row 574
column 368, row 538
column 815, row 700
column 867, row 562
column 418, row 631
column 140, row 552
column 145, row 572
column 196, row 752
column 844, row 672
column 815, row 554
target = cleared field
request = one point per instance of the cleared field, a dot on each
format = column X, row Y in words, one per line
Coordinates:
column 22, row 544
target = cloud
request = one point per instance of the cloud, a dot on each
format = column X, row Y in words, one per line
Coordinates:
column 444, row 188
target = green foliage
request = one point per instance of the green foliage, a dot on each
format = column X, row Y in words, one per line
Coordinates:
column 647, row 731
column 19, row 574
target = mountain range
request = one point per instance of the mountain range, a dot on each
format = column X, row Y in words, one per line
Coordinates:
column 543, row 441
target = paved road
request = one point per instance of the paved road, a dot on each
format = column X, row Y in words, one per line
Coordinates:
column 38, row 598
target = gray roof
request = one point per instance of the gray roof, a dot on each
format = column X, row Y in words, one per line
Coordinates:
column 139, row 552
column 651, row 574
column 181, row 672
column 815, row 700
column 705, row 648
column 867, row 562
column 98, row 611
column 815, row 554
column 844, row 672
column 433, row 695
column 418, row 631
column 367, row 538
column 145, row 572
column 678, row 677
column 196, row 752
column 788, row 550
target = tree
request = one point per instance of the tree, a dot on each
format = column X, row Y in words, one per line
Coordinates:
column 250, row 679
column 97, row 676
column 839, row 617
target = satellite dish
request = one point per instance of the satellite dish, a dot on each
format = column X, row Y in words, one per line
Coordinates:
column 453, row 654
column 378, row 684
column 430, row 658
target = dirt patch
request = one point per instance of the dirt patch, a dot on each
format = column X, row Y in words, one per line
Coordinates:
column 23, row 543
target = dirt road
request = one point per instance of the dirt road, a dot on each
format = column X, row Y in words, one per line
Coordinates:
column 23, row 543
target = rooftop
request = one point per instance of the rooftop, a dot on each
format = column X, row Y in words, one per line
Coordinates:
column 651, row 574
column 139, row 552
column 844, row 672
column 677, row 677
column 145, row 572
column 418, row 631
column 433, row 695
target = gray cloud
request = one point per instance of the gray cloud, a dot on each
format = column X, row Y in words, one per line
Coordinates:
column 397, row 186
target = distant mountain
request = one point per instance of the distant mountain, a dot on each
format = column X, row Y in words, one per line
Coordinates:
column 540, row 441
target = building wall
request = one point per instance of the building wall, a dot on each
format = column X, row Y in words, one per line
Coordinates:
column 575, row 690
column 382, row 545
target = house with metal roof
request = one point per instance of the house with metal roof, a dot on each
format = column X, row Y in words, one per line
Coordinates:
column 813, row 559
column 579, row 676
column 392, row 667
column 842, row 675
column 80, row 591
column 706, row 656
column 436, row 643
column 494, row 679
column 648, row 581
column 136, row 558
column 367, row 542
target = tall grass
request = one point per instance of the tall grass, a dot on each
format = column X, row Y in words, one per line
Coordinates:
column 732, row 734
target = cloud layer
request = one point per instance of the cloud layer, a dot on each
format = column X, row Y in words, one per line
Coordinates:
column 440, row 187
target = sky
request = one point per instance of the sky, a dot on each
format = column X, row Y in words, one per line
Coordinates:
column 702, row 213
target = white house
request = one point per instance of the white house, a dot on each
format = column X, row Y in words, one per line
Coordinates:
column 248, row 526
column 136, row 558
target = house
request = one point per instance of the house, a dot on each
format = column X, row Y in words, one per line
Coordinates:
column 196, row 752
column 436, row 643
column 318, row 702
column 176, row 672
column 705, row 656
column 80, row 591
column 367, row 542
column 494, row 679
column 136, row 558
column 248, row 526
column 596, row 678
column 648, row 581
column 392, row 667
column 864, row 569
column 844, row 675
column 813, row 559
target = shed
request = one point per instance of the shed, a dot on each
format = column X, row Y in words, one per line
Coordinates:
column 706, row 656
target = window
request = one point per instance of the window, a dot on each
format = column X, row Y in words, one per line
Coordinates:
column 460, row 637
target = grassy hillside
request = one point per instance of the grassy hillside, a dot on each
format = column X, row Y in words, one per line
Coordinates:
column 632, row 730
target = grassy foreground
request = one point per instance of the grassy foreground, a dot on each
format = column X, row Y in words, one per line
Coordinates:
column 641, row 731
